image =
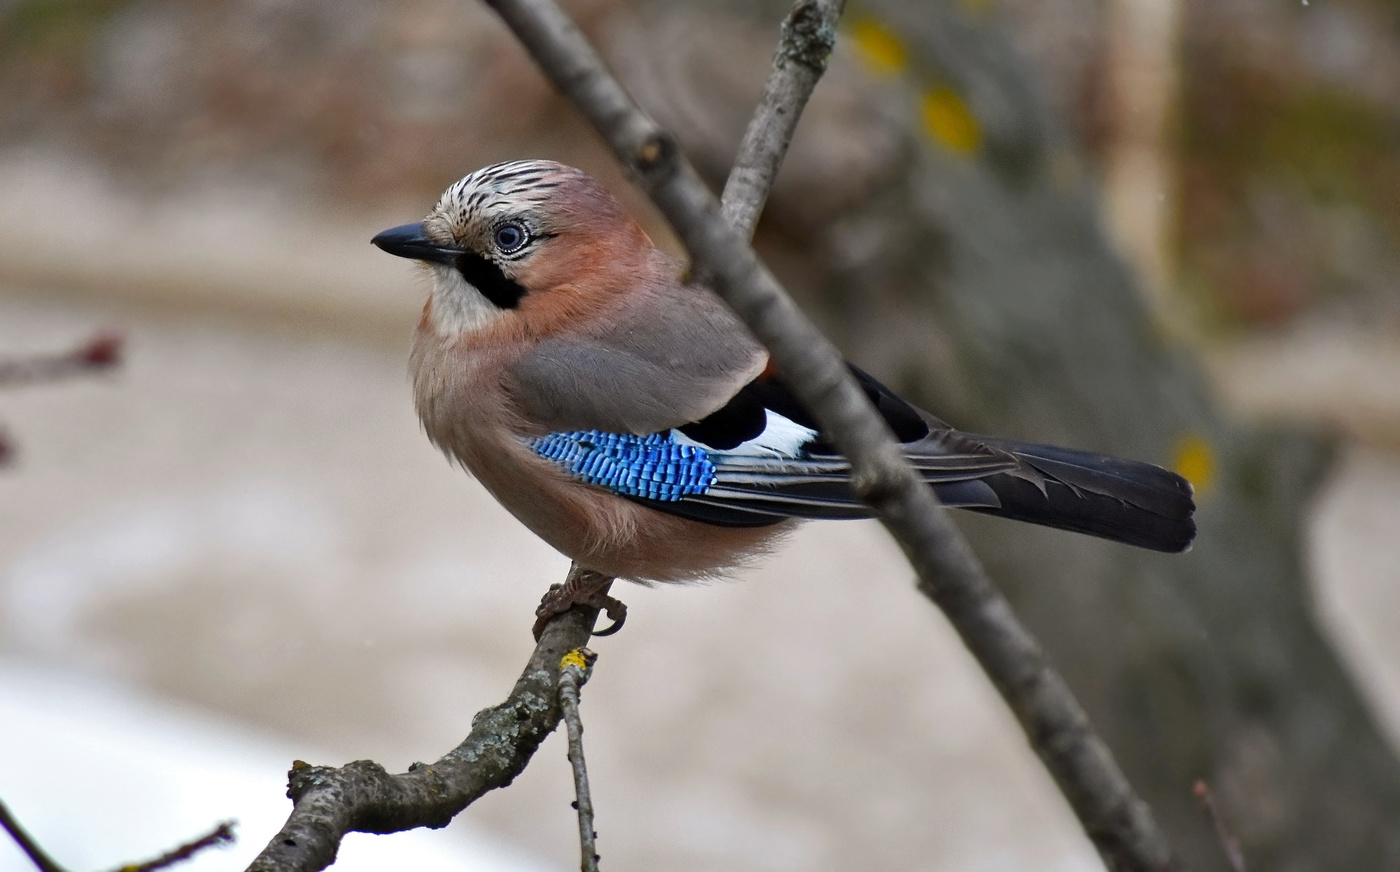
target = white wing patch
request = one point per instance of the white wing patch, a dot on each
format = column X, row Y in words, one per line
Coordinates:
column 781, row 437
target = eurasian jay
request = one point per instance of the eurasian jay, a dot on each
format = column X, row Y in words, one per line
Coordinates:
column 631, row 421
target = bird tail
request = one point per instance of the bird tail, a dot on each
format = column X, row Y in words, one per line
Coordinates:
column 1123, row 500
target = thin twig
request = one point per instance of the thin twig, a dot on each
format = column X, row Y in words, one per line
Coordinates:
column 1118, row 822
column 809, row 35
column 1228, row 842
column 575, row 669
column 363, row 797
column 37, row 855
column 102, row 350
column 220, row 835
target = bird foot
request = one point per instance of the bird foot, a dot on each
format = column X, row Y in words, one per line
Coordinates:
column 582, row 588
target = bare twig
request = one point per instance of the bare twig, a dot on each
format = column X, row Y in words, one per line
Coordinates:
column 220, row 835
column 37, row 855
column 809, row 35
column 363, row 797
column 575, row 669
column 1228, row 842
column 102, row 350
column 1118, row 822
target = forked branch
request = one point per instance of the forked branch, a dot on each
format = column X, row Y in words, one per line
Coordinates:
column 363, row 797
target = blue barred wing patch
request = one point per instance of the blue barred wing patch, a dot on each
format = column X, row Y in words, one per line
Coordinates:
column 655, row 467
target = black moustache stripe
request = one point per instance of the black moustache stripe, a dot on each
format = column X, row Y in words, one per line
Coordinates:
column 486, row 277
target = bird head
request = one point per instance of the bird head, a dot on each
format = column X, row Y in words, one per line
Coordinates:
column 528, row 240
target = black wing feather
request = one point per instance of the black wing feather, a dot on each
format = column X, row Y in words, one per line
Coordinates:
column 1123, row 500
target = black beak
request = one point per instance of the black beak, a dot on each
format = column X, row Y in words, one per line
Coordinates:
column 408, row 241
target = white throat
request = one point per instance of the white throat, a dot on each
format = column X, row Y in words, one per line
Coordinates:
column 458, row 307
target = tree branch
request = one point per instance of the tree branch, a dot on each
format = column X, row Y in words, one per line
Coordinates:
column 809, row 35
column 363, row 797
column 32, row 849
column 219, row 836
column 1228, row 843
column 102, row 350
column 578, row 666
column 1116, row 820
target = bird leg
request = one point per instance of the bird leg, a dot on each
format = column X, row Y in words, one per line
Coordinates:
column 583, row 587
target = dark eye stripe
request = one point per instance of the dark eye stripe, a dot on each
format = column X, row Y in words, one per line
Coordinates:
column 486, row 277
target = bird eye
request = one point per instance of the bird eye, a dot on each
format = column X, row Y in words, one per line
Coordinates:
column 510, row 237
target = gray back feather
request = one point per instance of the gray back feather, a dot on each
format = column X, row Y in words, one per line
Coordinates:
column 670, row 355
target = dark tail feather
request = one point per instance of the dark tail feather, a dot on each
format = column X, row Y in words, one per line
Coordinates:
column 1123, row 500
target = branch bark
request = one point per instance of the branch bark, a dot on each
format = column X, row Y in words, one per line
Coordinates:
column 809, row 35
column 363, row 797
column 1120, row 824
column 578, row 666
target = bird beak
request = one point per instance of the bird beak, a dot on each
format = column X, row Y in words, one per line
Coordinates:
column 408, row 241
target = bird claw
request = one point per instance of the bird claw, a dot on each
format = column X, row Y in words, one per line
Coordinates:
column 616, row 610
column 583, row 589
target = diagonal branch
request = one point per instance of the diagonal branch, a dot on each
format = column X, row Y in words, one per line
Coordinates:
column 809, row 35
column 102, row 350
column 219, row 836
column 1118, row 822
column 363, row 797
column 32, row 849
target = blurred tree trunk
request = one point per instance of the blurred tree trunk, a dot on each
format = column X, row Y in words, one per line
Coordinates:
column 940, row 222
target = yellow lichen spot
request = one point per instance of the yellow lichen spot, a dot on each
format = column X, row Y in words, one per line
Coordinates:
column 574, row 658
column 949, row 121
column 1194, row 461
column 881, row 48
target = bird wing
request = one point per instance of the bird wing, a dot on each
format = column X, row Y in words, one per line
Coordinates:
column 760, row 458
column 772, row 461
column 662, row 357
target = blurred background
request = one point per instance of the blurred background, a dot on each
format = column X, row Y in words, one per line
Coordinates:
column 1165, row 229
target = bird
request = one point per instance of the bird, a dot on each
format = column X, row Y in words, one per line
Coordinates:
column 625, row 415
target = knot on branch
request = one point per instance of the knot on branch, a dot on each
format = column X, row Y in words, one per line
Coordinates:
column 808, row 37
column 656, row 157
column 878, row 489
column 303, row 778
